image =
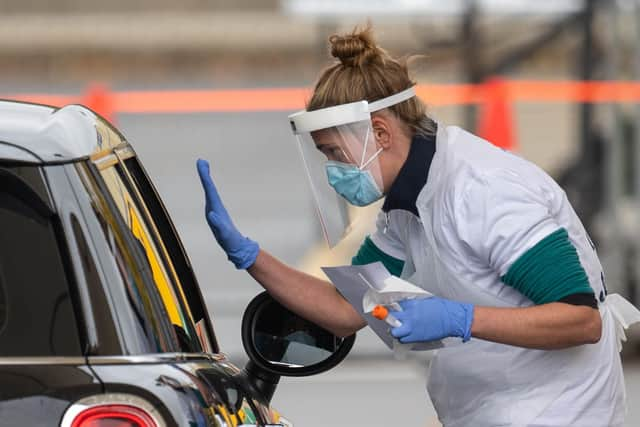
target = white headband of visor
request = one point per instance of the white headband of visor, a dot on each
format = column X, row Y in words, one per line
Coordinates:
column 309, row 121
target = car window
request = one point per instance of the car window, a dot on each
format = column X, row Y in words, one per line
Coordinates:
column 132, row 265
column 166, row 231
column 167, row 284
column 36, row 308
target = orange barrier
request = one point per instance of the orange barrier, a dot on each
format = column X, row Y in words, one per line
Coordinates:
column 534, row 91
column 496, row 123
column 239, row 100
column 99, row 98
column 287, row 99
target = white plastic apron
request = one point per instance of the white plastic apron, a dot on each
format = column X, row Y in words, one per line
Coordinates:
column 624, row 314
column 482, row 383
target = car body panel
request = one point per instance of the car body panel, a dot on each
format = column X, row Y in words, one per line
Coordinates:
column 37, row 391
column 8, row 151
column 193, row 392
column 47, row 135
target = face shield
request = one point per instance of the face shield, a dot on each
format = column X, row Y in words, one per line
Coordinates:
column 340, row 155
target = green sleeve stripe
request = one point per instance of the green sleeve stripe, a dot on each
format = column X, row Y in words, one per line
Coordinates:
column 369, row 253
column 549, row 271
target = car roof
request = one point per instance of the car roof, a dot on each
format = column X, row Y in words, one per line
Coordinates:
column 41, row 134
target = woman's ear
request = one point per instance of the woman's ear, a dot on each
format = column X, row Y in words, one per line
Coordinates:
column 382, row 131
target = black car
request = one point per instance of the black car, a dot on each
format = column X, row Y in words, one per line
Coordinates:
column 102, row 322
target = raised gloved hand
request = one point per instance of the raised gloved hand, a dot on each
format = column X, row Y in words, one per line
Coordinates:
column 241, row 251
column 430, row 319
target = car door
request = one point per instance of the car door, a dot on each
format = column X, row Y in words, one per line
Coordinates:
column 160, row 286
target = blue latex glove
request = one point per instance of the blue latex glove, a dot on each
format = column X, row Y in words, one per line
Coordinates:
column 241, row 251
column 430, row 319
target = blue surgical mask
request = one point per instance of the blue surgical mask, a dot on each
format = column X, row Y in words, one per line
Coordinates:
column 357, row 186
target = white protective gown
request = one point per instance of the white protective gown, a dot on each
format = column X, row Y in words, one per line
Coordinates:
column 480, row 210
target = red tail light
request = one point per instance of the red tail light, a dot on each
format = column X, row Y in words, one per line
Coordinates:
column 113, row 416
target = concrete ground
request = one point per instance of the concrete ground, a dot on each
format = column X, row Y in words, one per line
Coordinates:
column 383, row 392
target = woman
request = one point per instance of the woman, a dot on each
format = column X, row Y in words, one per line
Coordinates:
column 514, row 272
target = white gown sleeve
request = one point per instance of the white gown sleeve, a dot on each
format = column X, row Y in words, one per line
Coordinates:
column 499, row 217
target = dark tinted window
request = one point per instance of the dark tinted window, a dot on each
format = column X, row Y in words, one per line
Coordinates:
column 185, row 279
column 36, row 312
column 133, row 265
column 132, row 212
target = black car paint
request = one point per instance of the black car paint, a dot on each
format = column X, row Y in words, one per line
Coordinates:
column 192, row 392
column 36, row 392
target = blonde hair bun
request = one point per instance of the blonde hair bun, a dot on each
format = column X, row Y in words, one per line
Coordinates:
column 355, row 49
column 366, row 71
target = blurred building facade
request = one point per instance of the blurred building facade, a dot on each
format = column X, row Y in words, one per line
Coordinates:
column 96, row 6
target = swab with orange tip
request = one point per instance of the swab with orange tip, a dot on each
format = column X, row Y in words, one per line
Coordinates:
column 381, row 312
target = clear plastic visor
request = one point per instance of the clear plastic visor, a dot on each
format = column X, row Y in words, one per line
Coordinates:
column 350, row 144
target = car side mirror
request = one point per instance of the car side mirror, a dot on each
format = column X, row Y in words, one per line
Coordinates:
column 283, row 343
